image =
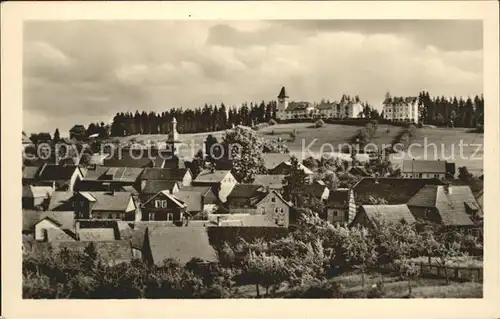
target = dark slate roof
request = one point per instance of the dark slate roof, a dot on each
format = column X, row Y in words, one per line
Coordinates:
column 282, row 93
column 192, row 199
column 271, row 181
column 154, row 187
column 57, row 172
column 271, row 160
column 128, row 162
column 163, row 174
column 424, row 166
column 180, row 243
column 109, row 201
column 61, row 201
column 338, row 198
column 393, row 190
column 317, row 189
column 389, row 213
column 205, row 191
column 247, row 195
column 112, row 252
column 31, row 172
column 65, row 219
column 451, row 204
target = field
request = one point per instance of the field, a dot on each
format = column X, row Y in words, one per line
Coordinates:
column 446, row 140
column 394, row 287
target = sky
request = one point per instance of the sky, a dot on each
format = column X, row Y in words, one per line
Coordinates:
column 78, row 72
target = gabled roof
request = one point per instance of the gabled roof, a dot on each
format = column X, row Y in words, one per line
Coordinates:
column 58, row 235
column 246, row 195
column 31, row 172
column 108, row 201
column 389, row 213
column 192, row 199
column 61, row 201
column 288, row 164
column 96, row 234
column 65, row 219
column 30, row 191
column 172, row 197
column 271, row 160
column 271, row 181
column 424, row 166
column 174, row 174
column 52, row 172
column 209, row 176
column 180, row 243
column 339, row 198
column 205, row 191
column 317, row 189
column 154, row 187
column 282, row 93
column 393, row 190
column 451, row 204
column 121, row 174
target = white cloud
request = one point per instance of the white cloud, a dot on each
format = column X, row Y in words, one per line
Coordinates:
column 141, row 66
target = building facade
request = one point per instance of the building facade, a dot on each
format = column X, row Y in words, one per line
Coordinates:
column 400, row 109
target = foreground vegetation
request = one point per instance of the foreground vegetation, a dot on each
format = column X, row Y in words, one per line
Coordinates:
column 315, row 260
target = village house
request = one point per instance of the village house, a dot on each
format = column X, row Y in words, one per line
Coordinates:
column 183, row 176
column 257, row 200
column 164, row 206
column 36, row 224
column 178, row 243
column 105, row 205
column 370, row 215
column 208, row 199
column 150, row 188
column 36, row 196
column 221, row 182
column 446, row 205
column 285, row 168
column 60, row 177
column 102, row 178
column 274, row 182
column 340, row 206
column 319, row 190
column 391, row 190
column 427, row 169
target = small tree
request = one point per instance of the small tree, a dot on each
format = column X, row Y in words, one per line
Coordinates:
column 266, row 270
column 319, row 123
column 57, row 136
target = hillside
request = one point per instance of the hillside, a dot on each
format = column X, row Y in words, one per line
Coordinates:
column 335, row 135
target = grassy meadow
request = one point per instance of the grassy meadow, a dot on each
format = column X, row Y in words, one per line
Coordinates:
column 447, row 141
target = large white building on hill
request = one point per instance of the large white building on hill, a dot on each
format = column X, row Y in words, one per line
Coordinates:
column 401, row 109
column 288, row 110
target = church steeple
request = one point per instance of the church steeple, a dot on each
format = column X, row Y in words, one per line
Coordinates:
column 282, row 94
column 173, row 138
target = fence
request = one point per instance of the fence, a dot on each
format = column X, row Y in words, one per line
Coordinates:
column 474, row 274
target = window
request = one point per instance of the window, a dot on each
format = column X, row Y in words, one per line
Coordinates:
column 263, row 210
column 157, row 203
column 170, row 217
column 164, row 204
column 151, row 216
column 276, row 210
column 335, row 214
column 273, row 200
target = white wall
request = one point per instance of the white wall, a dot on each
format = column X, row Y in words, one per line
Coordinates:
column 41, row 226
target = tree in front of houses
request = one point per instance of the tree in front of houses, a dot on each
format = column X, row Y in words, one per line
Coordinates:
column 294, row 184
column 266, row 270
column 244, row 148
column 360, row 250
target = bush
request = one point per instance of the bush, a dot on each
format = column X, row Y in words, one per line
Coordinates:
column 319, row 123
column 272, row 122
column 319, row 291
column 377, row 290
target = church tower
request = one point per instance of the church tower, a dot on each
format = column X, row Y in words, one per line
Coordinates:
column 173, row 141
column 282, row 104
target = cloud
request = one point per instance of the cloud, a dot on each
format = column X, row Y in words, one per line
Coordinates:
column 157, row 65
